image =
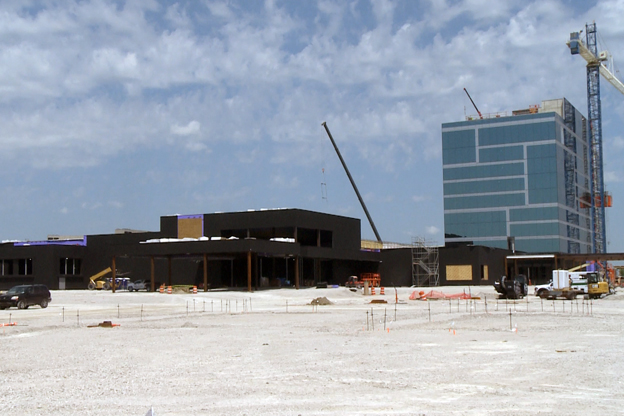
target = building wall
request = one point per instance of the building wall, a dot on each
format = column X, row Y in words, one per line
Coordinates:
column 327, row 246
column 42, row 264
column 396, row 267
column 522, row 176
column 471, row 265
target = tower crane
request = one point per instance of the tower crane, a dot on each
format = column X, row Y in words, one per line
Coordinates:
column 589, row 51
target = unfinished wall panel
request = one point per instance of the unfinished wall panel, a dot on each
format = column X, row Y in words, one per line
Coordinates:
column 190, row 226
column 463, row 272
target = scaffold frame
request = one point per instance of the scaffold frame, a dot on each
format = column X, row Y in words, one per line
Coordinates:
column 425, row 263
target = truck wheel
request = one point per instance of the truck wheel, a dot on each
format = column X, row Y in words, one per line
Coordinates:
column 21, row 305
column 542, row 294
column 44, row 304
column 106, row 286
column 91, row 286
column 571, row 296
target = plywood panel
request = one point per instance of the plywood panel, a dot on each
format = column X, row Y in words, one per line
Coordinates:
column 463, row 272
column 190, row 227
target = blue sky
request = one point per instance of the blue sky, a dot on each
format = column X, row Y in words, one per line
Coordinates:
column 115, row 113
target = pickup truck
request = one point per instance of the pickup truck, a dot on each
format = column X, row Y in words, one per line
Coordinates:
column 139, row 285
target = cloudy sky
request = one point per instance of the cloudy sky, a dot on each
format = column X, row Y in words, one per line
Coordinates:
column 114, row 113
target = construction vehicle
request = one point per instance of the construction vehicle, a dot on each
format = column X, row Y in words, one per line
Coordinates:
column 568, row 284
column 373, row 279
column 597, row 287
column 99, row 281
column 512, row 288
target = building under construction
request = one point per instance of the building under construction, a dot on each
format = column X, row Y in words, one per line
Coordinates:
column 519, row 181
column 247, row 250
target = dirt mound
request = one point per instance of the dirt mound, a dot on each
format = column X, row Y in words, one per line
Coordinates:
column 321, row 301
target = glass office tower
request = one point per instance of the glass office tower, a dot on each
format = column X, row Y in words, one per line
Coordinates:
column 521, row 179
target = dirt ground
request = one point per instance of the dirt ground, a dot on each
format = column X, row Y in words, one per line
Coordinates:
column 274, row 353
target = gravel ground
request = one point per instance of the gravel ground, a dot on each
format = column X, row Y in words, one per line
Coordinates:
column 273, row 353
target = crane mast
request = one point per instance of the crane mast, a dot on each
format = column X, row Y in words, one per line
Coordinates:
column 473, row 104
column 344, row 165
column 594, row 112
column 595, row 67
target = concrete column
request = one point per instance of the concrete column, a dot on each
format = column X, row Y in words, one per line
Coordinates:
column 168, row 270
column 152, row 277
column 114, row 275
column 297, row 272
column 249, row 271
column 205, row 273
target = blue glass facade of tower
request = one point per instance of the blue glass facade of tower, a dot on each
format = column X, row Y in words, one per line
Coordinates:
column 524, row 176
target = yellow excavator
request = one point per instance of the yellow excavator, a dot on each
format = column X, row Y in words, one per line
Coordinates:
column 98, row 281
column 597, row 283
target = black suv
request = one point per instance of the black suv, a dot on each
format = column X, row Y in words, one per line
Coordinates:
column 25, row 295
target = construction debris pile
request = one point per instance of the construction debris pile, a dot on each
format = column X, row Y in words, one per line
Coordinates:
column 321, row 301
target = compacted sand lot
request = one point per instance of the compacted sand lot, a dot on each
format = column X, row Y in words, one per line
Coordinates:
column 272, row 353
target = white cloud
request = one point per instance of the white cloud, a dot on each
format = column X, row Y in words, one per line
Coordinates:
column 618, row 142
column 611, row 176
column 88, row 84
column 196, row 147
column 220, row 9
column 192, row 127
column 285, row 182
column 432, row 230
column 116, row 204
column 420, row 198
column 91, row 205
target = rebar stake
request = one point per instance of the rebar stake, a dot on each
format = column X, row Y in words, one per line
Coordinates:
column 429, row 306
column 372, row 319
column 385, row 310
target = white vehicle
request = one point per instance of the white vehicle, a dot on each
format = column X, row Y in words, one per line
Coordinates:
column 139, row 285
column 564, row 284
column 569, row 285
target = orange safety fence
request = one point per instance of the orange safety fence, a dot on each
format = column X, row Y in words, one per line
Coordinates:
column 435, row 294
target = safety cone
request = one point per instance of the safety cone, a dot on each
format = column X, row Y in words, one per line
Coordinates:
column 169, row 291
column 373, row 290
column 194, row 290
column 382, row 291
column 162, row 289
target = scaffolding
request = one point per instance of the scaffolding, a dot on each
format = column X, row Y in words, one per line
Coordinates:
column 425, row 263
column 570, row 169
